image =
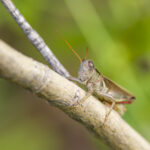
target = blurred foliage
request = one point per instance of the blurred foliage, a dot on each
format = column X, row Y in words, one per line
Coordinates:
column 117, row 34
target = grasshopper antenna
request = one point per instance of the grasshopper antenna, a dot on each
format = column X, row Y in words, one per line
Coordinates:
column 86, row 55
column 70, row 46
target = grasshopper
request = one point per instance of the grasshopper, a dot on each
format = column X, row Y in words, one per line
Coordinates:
column 107, row 91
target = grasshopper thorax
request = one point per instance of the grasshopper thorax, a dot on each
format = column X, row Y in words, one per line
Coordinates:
column 86, row 70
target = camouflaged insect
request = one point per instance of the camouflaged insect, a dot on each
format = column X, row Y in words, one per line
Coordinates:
column 107, row 91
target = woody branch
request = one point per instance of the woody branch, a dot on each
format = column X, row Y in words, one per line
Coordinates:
column 62, row 93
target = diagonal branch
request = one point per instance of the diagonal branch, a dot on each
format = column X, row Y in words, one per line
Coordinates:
column 35, row 38
column 62, row 93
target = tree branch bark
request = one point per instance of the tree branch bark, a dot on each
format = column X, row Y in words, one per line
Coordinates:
column 62, row 93
column 35, row 38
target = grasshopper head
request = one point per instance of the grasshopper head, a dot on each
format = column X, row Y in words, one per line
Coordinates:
column 86, row 70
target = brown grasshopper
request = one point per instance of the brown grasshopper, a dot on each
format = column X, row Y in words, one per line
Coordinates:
column 107, row 91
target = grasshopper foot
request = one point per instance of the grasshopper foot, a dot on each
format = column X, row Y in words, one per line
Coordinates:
column 75, row 99
column 78, row 102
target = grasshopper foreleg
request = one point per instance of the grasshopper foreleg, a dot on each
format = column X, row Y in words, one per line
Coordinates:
column 88, row 94
column 74, row 79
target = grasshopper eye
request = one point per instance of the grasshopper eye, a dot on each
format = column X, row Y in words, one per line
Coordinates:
column 90, row 64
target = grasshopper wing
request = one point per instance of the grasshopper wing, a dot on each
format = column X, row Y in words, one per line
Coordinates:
column 121, row 95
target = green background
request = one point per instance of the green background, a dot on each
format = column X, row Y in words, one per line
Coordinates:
column 117, row 34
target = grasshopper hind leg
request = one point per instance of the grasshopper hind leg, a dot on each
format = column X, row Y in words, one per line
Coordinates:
column 111, row 102
column 108, row 113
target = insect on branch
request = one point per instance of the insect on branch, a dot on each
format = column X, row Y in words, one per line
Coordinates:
column 61, row 93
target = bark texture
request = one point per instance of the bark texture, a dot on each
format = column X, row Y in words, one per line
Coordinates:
column 60, row 92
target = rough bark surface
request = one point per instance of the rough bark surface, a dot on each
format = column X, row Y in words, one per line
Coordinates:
column 62, row 93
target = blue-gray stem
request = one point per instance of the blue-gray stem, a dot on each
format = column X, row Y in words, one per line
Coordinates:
column 35, row 38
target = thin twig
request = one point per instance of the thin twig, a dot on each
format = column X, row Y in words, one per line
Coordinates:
column 35, row 38
column 62, row 93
